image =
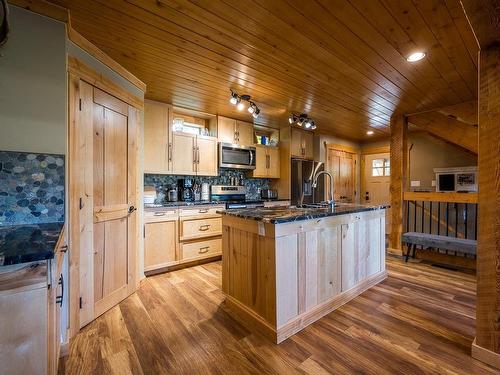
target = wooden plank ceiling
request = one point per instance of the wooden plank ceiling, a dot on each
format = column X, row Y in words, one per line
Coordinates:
column 341, row 61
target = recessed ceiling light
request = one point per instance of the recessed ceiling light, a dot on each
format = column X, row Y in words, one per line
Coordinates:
column 369, row 132
column 416, row 56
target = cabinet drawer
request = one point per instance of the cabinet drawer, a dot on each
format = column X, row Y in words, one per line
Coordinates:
column 199, row 228
column 201, row 210
column 160, row 214
column 201, row 249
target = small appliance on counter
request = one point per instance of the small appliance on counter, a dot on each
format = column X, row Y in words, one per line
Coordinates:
column 172, row 194
column 186, row 193
column 205, row 191
column 149, row 195
column 269, row 194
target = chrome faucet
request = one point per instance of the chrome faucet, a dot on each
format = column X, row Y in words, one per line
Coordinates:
column 331, row 201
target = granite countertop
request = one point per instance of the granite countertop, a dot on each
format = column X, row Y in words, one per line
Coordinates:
column 199, row 203
column 28, row 242
column 279, row 215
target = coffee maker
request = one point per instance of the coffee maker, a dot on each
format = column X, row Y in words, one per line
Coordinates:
column 186, row 189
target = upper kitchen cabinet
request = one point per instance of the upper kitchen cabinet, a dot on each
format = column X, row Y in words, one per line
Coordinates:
column 267, row 162
column 194, row 154
column 234, row 131
column 302, row 143
column 157, row 137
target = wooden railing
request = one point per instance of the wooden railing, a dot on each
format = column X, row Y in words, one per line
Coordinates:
column 446, row 214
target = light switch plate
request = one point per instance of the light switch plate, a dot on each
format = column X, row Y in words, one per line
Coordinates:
column 415, row 183
column 433, row 183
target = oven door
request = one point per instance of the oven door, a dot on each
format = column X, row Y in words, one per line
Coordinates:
column 236, row 156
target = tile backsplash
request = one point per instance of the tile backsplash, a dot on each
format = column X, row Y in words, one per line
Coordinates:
column 31, row 188
column 162, row 182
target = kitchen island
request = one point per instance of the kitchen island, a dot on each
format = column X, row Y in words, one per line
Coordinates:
column 284, row 268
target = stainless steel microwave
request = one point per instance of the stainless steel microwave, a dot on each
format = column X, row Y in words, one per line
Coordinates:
column 236, row 156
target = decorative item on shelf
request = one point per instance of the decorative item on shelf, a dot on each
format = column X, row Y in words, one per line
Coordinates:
column 239, row 102
column 302, row 120
column 178, row 124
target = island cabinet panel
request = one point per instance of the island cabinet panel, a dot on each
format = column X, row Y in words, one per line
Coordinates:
column 249, row 271
column 362, row 250
column 279, row 278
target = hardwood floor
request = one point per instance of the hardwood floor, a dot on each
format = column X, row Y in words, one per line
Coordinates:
column 419, row 321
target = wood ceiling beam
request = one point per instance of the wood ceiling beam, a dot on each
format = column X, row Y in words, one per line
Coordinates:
column 447, row 128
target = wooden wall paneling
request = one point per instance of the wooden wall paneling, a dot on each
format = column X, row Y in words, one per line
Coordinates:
column 488, row 252
column 134, row 195
column 399, row 172
column 87, row 74
column 287, row 292
column 86, row 191
column 75, row 180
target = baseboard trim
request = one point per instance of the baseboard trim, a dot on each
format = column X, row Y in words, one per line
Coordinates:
column 393, row 251
column 485, row 355
column 183, row 264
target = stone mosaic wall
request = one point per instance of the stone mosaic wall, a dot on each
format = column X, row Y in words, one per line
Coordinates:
column 31, row 188
column 162, row 182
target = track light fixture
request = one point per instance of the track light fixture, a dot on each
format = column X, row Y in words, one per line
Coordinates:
column 240, row 102
column 302, row 120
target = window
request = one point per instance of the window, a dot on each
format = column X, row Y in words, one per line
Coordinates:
column 381, row 167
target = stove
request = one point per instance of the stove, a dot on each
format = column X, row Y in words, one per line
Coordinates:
column 233, row 197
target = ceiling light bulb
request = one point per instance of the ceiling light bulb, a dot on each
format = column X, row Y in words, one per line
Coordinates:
column 234, row 98
column 416, row 56
column 256, row 113
column 313, row 126
column 369, row 132
column 291, row 119
column 240, row 106
column 251, row 108
column 308, row 124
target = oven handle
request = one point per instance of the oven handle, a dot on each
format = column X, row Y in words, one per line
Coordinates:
column 251, row 157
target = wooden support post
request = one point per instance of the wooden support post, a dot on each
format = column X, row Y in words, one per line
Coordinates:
column 487, row 344
column 399, row 165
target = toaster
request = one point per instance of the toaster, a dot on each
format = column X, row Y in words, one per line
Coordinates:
column 269, row 194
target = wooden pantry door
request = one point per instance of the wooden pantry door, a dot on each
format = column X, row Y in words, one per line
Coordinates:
column 108, row 241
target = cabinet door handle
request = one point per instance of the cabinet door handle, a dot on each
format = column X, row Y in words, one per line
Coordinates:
column 64, row 248
column 204, row 228
column 204, row 250
column 202, row 211
column 169, row 152
column 60, row 299
column 197, row 155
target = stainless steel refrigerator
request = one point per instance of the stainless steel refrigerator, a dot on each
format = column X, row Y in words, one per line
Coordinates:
column 302, row 174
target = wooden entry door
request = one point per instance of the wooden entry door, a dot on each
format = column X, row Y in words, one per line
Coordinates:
column 377, row 182
column 107, row 134
column 341, row 165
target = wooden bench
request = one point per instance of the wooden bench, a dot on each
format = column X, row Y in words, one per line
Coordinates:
column 461, row 245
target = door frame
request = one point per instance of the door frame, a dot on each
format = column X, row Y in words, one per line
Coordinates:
column 356, row 152
column 370, row 151
column 77, row 71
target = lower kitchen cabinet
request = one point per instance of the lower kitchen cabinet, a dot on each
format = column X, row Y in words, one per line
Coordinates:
column 160, row 244
column 173, row 237
column 31, row 306
column 363, row 249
